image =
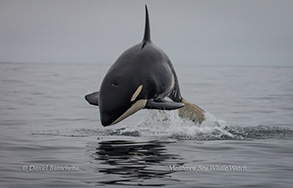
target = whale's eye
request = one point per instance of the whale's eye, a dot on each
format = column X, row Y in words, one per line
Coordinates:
column 115, row 84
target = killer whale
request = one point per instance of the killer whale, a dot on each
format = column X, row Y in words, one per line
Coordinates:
column 141, row 78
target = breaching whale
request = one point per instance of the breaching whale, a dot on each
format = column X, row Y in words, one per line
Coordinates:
column 141, row 78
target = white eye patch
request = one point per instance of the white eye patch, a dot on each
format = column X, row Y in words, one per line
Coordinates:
column 136, row 93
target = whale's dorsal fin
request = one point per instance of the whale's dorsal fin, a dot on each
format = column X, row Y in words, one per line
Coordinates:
column 147, row 31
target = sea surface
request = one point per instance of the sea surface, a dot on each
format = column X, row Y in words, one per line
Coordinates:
column 51, row 137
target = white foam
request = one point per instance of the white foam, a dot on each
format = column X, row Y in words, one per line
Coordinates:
column 169, row 124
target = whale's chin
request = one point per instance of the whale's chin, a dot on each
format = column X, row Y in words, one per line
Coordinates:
column 111, row 119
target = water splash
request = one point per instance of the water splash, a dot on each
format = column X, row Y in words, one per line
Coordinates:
column 167, row 124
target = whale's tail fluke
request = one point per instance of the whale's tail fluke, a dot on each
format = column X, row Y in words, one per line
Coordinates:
column 147, row 30
column 192, row 112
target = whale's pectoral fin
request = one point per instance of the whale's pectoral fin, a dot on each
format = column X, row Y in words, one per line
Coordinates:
column 192, row 112
column 93, row 98
column 162, row 105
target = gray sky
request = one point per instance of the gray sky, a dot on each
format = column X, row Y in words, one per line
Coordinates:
column 198, row 32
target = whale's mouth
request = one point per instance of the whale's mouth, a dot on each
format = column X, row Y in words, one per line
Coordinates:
column 108, row 120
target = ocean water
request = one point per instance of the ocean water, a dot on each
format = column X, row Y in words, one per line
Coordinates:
column 51, row 137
